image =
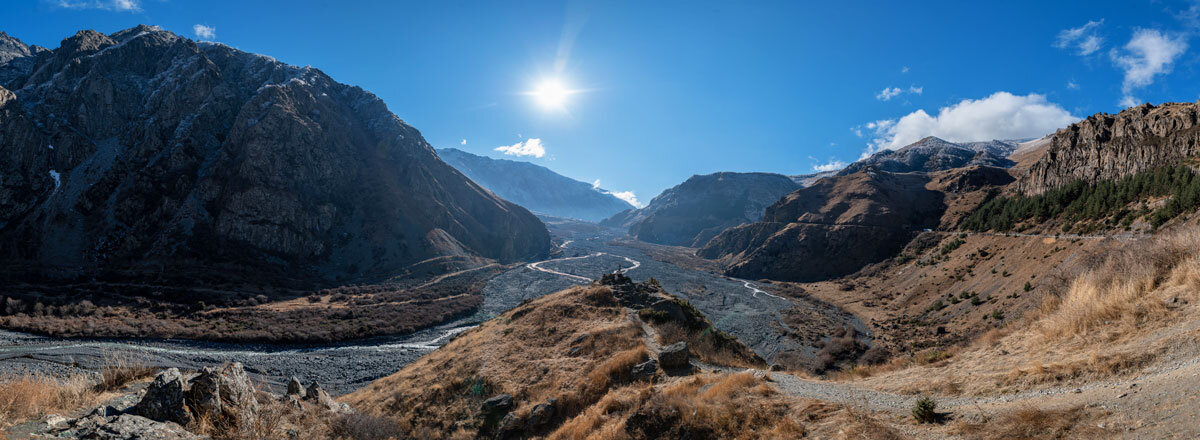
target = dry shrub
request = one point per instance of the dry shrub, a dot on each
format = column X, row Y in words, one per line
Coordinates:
column 726, row 406
column 1030, row 423
column 1125, row 290
column 617, row 368
column 31, row 396
column 120, row 370
column 709, row 345
column 1097, row 365
column 860, row 425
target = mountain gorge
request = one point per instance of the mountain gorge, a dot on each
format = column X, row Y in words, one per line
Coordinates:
column 698, row 209
column 142, row 153
column 535, row 187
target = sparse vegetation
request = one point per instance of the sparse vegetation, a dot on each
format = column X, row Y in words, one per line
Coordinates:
column 925, row 410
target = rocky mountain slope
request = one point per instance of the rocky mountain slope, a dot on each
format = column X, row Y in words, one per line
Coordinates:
column 142, row 152
column 1106, row 147
column 698, row 209
column 843, row 222
column 535, row 187
column 933, row 154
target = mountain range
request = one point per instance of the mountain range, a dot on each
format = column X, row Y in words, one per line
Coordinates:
column 142, row 154
column 536, row 187
column 698, row 209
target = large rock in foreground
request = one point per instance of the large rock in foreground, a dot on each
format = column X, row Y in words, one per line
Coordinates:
column 142, row 153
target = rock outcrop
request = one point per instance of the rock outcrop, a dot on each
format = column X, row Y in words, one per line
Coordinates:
column 535, row 187
column 861, row 218
column 142, row 152
column 698, row 209
column 1106, row 146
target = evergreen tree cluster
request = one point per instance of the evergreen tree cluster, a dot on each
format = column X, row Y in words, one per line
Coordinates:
column 1108, row 201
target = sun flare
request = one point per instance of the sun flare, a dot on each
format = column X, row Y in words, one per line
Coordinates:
column 552, row 93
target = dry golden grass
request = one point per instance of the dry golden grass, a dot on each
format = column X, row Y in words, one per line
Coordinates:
column 119, row 370
column 734, row 406
column 1029, row 423
column 1127, row 291
column 30, row 396
column 709, row 346
column 571, row 346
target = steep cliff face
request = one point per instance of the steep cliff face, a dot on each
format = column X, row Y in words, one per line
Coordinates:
column 698, row 209
column 831, row 228
column 1105, row 146
column 144, row 151
column 535, row 187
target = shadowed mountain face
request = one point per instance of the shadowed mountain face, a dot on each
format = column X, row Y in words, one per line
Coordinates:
column 535, row 187
column 698, row 209
column 843, row 222
column 933, row 154
column 142, row 151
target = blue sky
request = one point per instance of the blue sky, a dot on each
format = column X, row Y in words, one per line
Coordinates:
column 659, row 91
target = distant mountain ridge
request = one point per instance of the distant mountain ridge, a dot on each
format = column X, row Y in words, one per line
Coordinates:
column 143, row 152
column 535, row 187
column 934, row 154
column 698, row 209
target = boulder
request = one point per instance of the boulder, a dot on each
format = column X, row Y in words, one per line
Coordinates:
column 673, row 310
column 294, row 388
column 498, row 404
column 319, row 396
column 644, row 370
column 674, row 356
column 224, row 393
column 542, row 413
column 134, row 427
column 165, row 399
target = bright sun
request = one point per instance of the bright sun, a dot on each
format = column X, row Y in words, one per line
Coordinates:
column 551, row 93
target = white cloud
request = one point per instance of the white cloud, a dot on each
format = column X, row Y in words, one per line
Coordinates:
column 999, row 116
column 891, row 92
column 1148, row 53
column 529, row 147
column 1071, row 85
column 464, row 142
column 1128, row 101
column 832, row 165
column 629, row 197
column 111, row 5
column 888, row 93
column 1082, row 38
column 204, row 32
column 904, row 69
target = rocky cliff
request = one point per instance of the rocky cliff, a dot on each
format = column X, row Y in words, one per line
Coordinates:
column 831, row 228
column 142, row 152
column 1106, row 146
column 698, row 209
column 535, row 187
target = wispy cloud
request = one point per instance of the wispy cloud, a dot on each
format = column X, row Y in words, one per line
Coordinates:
column 628, row 196
column 204, row 32
column 464, row 142
column 529, row 147
column 111, row 5
column 1149, row 53
column 1072, row 85
column 832, row 165
column 1084, row 38
column 904, row 69
column 891, row 92
column 1002, row 115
